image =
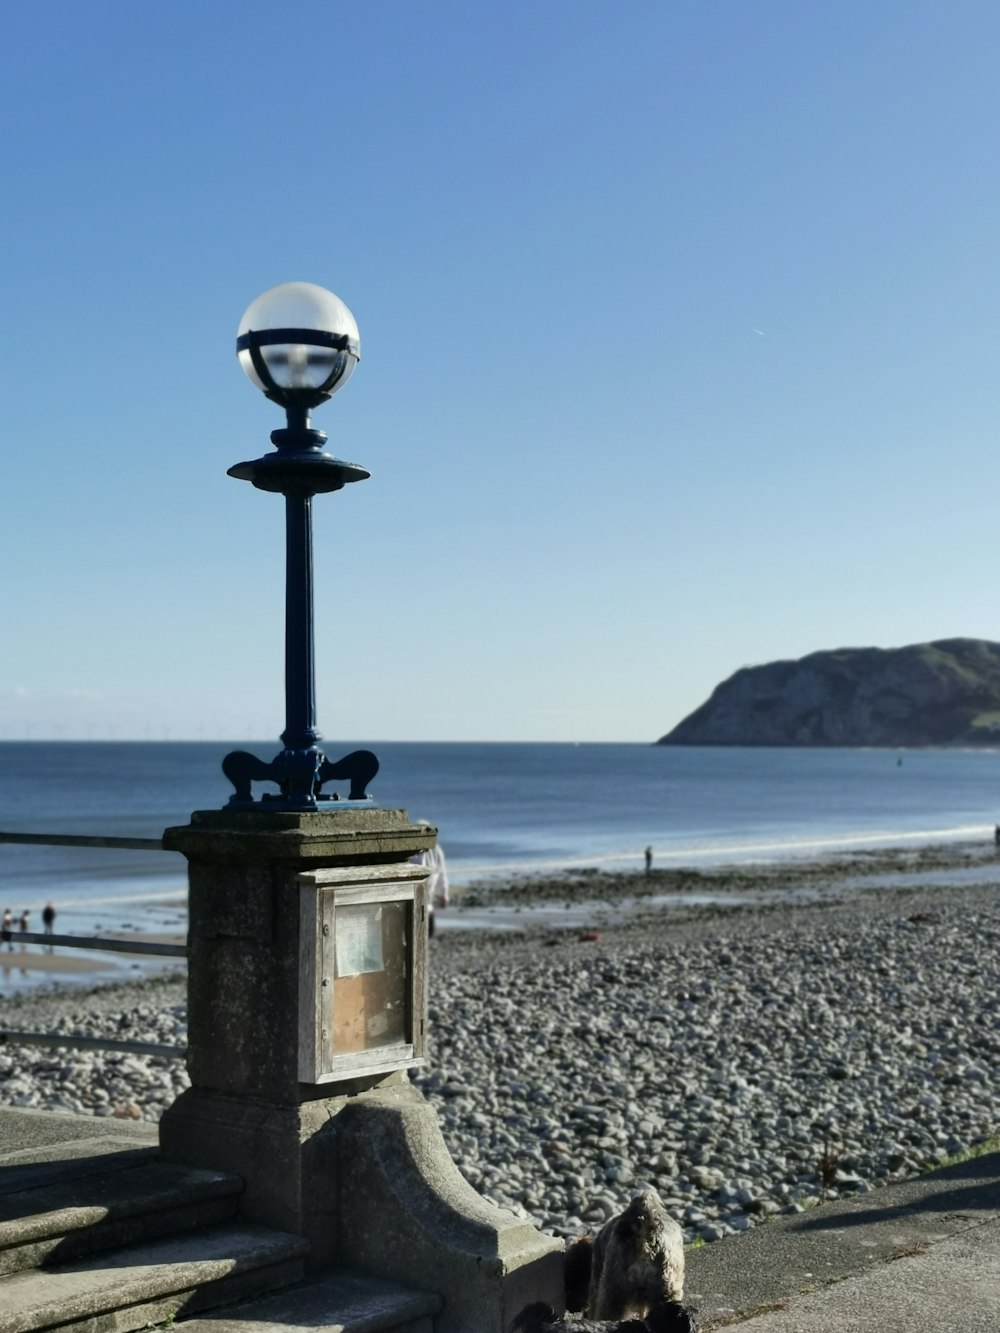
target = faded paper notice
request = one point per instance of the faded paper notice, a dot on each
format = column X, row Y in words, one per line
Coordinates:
column 359, row 940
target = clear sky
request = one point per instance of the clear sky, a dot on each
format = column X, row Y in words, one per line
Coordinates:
column 680, row 333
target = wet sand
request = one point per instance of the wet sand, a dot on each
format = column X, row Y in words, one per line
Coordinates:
column 28, row 967
column 681, row 901
column 54, row 964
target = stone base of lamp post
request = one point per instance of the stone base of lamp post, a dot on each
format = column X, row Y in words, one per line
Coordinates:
column 409, row 1214
column 355, row 1163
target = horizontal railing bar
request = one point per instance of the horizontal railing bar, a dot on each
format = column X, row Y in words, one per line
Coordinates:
column 93, row 942
column 92, row 1043
column 83, row 840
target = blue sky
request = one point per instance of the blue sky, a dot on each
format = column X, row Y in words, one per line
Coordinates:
column 680, row 330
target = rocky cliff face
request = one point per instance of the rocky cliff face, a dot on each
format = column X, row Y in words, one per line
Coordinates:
column 942, row 693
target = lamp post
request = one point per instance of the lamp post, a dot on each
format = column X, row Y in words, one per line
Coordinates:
column 307, row 951
column 299, row 344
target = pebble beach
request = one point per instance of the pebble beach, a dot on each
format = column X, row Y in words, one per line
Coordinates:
column 749, row 1041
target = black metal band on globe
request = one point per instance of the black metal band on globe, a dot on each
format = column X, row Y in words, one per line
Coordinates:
column 341, row 342
column 254, row 339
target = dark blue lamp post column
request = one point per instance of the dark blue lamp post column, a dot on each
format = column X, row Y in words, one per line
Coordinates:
column 299, row 344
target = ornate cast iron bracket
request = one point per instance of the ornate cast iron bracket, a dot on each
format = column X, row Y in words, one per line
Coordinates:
column 300, row 774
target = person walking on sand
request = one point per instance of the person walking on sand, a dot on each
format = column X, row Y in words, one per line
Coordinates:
column 24, row 923
column 48, row 918
column 6, row 927
column 649, row 859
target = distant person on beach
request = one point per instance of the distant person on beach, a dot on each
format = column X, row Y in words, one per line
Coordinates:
column 24, row 923
column 649, row 859
column 48, row 918
column 996, row 835
column 7, row 926
column 437, row 880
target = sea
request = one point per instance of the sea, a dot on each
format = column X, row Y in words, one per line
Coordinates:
column 501, row 808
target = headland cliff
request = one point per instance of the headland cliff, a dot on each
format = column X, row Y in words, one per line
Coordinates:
column 941, row 693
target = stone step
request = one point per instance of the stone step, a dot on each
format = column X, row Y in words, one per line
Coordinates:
column 337, row 1303
column 28, row 1135
column 61, row 1214
column 29, row 1168
column 149, row 1284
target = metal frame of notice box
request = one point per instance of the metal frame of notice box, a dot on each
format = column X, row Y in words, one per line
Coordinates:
column 363, row 971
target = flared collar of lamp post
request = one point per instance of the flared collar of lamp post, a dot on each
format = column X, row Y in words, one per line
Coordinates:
column 299, row 344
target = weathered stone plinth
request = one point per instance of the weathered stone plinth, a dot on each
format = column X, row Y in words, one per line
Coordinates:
column 358, row 1166
column 244, row 944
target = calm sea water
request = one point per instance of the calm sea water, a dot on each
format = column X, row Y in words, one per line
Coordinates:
column 500, row 807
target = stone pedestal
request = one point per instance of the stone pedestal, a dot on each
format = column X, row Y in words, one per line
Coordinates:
column 357, row 1166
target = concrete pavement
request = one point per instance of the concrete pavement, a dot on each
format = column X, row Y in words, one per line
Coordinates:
column 916, row 1257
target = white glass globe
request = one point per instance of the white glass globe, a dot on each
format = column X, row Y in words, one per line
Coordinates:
column 300, row 366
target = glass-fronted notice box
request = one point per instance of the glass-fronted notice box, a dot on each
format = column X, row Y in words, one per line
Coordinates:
column 362, row 988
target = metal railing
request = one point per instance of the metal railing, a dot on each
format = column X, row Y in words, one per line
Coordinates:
column 84, row 840
column 111, row 944
column 93, row 943
column 79, row 1042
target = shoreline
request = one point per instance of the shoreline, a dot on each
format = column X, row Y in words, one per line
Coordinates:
column 919, row 860
column 584, row 900
column 611, row 901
